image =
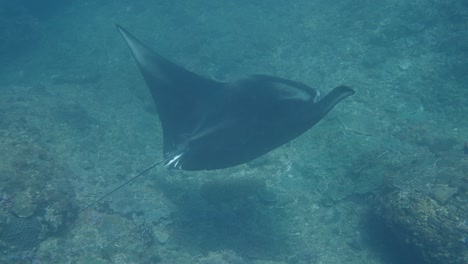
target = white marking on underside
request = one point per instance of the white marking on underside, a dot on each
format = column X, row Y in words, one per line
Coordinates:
column 201, row 131
column 175, row 160
column 317, row 96
column 287, row 92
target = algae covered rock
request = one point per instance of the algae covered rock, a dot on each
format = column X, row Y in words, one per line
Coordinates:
column 442, row 193
column 24, row 205
column 438, row 232
column 38, row 200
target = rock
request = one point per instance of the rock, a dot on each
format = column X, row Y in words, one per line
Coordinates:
column 442, row 193
column 434, row 231
column 23, row 205
column 440, row 146
column 160, row 235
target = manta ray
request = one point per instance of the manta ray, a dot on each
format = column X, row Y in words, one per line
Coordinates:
column 210, row 125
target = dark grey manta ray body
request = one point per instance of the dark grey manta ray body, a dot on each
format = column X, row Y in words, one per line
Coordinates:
column 211, row 125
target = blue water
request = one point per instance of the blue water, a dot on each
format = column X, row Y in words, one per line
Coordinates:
column 382, row 179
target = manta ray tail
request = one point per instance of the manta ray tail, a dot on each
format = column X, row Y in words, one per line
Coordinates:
column 145, row 171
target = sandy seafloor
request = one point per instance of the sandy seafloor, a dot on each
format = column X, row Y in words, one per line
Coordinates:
column 76, row 120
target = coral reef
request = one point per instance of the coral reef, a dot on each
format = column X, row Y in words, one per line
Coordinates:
column 36, row 196
column 69, row 124
column 438, row 232
column 20, row 233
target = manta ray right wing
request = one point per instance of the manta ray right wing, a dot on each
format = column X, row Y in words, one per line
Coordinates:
column 181, row 96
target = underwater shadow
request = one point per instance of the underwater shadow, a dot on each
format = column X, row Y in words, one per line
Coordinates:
column 385, row 243
column 228, row 214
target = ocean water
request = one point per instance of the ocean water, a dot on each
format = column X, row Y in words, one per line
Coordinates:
column 381, row 179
